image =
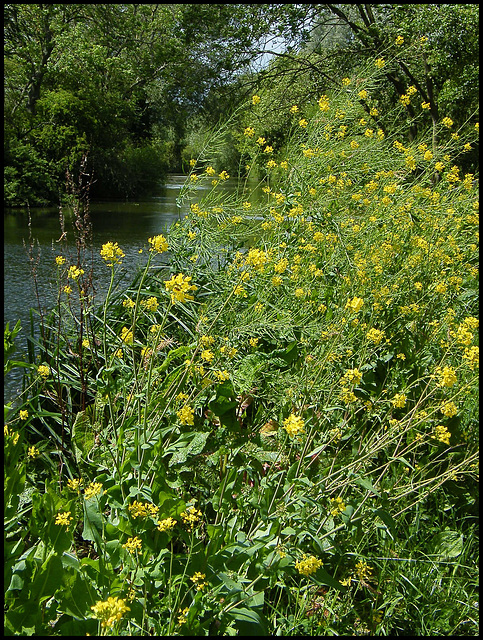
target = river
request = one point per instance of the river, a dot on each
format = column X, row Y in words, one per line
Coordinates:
column 129, row 224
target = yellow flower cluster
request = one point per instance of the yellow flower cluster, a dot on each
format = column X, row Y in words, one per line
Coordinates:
column 167, row 524
column 151, row 304
column 199, row 580
column 179, row 286
column 74, row 272
column 337, row 505
column 354, row 305
column 143, row 510
column 64, row 519
column 293, row 425
column 93, row 489
column 127, row 335
column 308, row 565
column 449, row 409
column 43, row 370
column 112, row 253
column 191, row 517
column 158, row 244
column 257, row 259
column 324, row 103
column 441, row 433
column 110, row 611
column 447, row 376
column 186, row 415
column 132, row 544
column 10, row 435
column 375, row 335
column 363, row 571
column 399, row 400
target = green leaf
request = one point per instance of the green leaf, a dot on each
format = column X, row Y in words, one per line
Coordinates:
column 248, row 622
column 322, row 577
column 448, row 544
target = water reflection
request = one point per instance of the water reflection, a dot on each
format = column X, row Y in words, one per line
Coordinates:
column 128, row 223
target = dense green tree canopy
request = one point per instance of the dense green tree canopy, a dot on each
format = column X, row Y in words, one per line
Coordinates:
column 127, row 83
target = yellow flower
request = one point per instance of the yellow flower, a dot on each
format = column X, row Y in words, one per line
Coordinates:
column 354, row 376
column 60, row 260
column 249, row 132
column 472, row 356
column 110, row 611
column 256, row 99
column 380, row 62
column 64, row 519
column 425, row 105
column 303, row 123
column 363, row 570
column 158, row 243
column 186, row 415
column 363, row 95
column 324, row 103
column 293, row 425
column 442, row 434
column 447, row 122
column 23, row 414
column 182, row 617
column 338, row 505
column 180, row 286
column 127, row 336
column 198, row 579
column 33, row 452
column 346, row 82
column 223, row 175
column 355, row 305
column 447, row 376
column 399, row 400
column 191, row 517
column 74, row 272
column 93, row 489
column 112, row 253
column 294, row 109
column 375, row 335
column 140, row 510
column 399, row 40
column 308, row 565
column 132, row 544
column 74, row 484
column 449, row 409
column 43, row 370
column 151, row 304
column 167, row 524
column 207, row 355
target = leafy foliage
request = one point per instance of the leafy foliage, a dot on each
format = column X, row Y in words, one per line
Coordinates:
column 275, row 431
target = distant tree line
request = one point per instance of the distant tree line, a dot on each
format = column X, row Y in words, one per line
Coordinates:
column 135, row 86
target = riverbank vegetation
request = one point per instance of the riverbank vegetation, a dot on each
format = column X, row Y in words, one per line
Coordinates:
column 140, row 87
column 274, row 429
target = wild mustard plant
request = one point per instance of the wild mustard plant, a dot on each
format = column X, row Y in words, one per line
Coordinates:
column 308, row 381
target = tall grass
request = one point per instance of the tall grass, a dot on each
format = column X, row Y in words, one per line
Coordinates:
column 275, row 433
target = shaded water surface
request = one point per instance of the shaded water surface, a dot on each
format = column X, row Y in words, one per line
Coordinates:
column 128, row 223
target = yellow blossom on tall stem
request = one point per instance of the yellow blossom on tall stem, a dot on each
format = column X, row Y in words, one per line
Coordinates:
column 110, row 610
column 179, row 286
column 308, row 565
column 158, row 243
column 293, row 425
column 112, row 253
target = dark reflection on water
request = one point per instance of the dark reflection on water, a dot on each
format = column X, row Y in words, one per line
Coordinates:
column 128, row 223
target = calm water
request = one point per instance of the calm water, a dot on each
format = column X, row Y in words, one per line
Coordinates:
column 128, row 223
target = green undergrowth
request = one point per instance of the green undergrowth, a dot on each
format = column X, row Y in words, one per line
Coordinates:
column 274, row 429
